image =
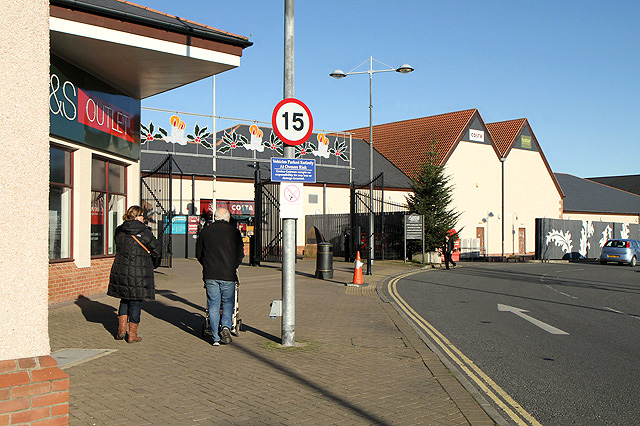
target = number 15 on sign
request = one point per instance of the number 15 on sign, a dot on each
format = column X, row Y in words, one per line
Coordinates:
column 292, row 121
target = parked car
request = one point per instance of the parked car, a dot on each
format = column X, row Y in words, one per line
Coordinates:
column 621, row 251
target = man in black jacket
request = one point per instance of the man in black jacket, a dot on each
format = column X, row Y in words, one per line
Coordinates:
column 220, row 250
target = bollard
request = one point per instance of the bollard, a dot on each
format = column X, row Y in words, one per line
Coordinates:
column 324, row 261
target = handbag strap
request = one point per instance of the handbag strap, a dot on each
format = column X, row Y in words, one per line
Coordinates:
column 142, row 245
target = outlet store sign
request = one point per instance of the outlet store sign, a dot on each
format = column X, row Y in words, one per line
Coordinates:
column 88, row 111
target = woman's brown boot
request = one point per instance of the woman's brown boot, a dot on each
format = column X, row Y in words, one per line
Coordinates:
column 133, row 333
column 122, row 326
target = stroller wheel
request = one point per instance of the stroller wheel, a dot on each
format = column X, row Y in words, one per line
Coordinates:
column 239, row 325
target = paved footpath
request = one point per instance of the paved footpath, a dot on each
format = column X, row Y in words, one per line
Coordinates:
column 357, row 362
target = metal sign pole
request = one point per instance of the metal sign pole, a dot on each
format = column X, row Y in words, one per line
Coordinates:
column 404, row 220
column 422, row 227
column 288, row 225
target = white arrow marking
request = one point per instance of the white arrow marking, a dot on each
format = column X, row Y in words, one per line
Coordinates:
column 521, row 313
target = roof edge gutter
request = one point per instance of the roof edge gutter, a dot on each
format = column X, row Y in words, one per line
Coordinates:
column 208, row 35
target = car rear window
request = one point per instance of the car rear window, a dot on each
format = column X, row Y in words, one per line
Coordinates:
column 616, row 243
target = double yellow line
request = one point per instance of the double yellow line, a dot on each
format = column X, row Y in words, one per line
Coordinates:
column 494, row 392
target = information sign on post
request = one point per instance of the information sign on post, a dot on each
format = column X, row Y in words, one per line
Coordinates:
column 293, row 170
column 292, row 121
column 413, row 230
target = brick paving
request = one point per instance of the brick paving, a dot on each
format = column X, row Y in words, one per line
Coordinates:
column 357, row 362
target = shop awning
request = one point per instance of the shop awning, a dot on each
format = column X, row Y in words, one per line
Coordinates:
column 138, row 50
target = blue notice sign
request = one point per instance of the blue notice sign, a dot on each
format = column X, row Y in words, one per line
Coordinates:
column 293, row 170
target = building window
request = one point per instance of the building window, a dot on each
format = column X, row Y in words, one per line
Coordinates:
column 108, row 204
column 60, row 199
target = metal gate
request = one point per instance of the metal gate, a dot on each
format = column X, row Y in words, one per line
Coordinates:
column 267, row 225
column 156, row 195
column 370, row 211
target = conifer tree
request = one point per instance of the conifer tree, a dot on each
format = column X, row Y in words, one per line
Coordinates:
column 432, row 197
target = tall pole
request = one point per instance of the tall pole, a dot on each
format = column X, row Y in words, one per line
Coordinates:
column 502, row 159
column 288, row 225
column 371, row 234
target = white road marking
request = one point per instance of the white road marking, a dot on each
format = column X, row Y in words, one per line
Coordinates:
column 521, row 313
column 561, row 292
column 622, row 313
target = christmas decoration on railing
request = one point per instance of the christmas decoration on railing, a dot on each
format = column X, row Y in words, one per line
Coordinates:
column 233, row 139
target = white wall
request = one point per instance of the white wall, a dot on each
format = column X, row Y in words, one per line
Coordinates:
column 24, row 173
column 530, row 193
column 475, row 176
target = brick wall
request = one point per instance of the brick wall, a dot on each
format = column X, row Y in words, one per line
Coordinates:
column 67, row 281
column 33, row 391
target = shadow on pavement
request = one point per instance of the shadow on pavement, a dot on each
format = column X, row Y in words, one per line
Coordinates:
column 172, row 295
column 289, row 373
column 261, row 333
column 98, row 312
column 186, row 321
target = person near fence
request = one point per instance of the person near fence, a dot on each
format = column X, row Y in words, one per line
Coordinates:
column 447, row 250
column 131, row 280
column 220, row 251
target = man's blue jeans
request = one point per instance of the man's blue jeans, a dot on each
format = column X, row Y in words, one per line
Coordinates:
column 225, row 291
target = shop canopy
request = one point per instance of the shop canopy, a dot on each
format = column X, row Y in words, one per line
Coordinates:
column 138, row 50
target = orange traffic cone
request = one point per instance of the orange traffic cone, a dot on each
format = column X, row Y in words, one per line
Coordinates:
column 357, row 272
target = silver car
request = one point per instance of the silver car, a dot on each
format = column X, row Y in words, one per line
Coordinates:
column 621, row 251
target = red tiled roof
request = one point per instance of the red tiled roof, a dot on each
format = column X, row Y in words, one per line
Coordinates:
column 505, row 132
column 404, row 143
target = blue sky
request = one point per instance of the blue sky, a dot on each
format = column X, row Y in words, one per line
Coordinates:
column 569, row 67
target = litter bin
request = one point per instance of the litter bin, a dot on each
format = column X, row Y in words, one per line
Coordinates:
column 324, row 261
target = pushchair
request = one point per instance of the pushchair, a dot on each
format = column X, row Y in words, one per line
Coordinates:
column 236, row 322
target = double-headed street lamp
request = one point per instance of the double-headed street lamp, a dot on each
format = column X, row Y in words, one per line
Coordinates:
column 404, row 69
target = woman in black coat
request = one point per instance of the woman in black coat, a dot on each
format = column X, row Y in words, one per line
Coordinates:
column 137, row 255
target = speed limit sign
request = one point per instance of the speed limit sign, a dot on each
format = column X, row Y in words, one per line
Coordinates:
column 292, row 121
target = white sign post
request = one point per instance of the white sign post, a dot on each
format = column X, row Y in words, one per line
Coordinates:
column 291, row 200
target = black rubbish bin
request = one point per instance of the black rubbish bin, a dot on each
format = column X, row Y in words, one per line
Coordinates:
column 324, row 261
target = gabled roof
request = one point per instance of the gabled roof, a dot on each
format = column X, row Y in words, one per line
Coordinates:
column 505, row 133
column 583, row 195
column 405, row 142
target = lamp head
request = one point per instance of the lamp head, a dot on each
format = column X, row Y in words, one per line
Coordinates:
column 405, row 69
column 338, row 74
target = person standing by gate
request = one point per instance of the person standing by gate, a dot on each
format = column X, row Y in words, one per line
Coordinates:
column 220, row 251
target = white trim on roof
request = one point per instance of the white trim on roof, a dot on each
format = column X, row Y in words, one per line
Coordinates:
column 119, row 37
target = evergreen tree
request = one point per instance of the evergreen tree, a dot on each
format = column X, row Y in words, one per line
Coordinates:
column 432, row 196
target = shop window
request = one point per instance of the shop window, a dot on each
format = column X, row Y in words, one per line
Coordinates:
column 60, row 202
column 108, row 204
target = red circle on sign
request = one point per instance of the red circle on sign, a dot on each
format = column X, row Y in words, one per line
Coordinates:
column 289, row 105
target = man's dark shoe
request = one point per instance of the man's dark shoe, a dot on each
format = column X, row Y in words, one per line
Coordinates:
column 225, row 334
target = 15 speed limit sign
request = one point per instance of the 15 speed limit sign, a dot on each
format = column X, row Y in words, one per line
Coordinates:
column 292, row 121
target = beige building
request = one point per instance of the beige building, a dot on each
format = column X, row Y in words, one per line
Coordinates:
column 500, row 178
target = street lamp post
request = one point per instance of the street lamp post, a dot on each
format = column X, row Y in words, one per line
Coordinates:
column 337, row 74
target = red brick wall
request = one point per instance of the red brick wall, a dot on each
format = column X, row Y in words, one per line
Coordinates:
column 67, row 281
column 33, row 391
